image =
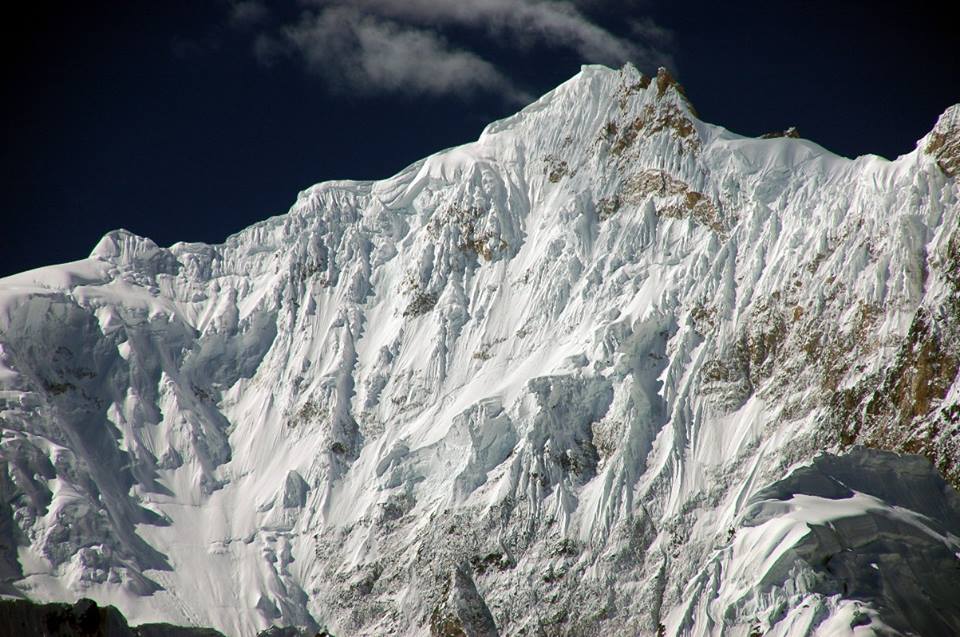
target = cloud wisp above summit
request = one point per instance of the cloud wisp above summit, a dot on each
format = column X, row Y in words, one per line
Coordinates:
column 365, row 53
column 441, row 47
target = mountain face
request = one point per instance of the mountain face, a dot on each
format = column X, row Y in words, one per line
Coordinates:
column 608, row 370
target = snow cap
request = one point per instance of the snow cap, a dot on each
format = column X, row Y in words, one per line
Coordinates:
column 128, row 249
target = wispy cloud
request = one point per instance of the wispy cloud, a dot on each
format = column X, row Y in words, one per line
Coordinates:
column 405, row 46
column 245, row 14
column 366, row 53
column 525, row 23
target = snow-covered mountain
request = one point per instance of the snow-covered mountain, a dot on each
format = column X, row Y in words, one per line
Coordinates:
column 607, row 370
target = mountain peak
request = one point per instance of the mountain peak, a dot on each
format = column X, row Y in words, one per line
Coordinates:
column 666, row 81
column 129, row 250
column 580, row 371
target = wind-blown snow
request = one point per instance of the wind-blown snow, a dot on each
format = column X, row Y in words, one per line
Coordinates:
column 572, row 377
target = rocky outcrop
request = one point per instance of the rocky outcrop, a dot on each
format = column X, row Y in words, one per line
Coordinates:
column 23, row 618
column 943, row 143
column 463, row 613
column 790, row 132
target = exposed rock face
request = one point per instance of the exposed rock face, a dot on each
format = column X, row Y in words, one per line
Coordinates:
column 463, row 613
column 22, row 618
column 791, row 132
column 573, row 378
column 944, row 141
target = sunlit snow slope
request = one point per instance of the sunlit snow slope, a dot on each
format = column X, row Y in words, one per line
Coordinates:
column 577, row 377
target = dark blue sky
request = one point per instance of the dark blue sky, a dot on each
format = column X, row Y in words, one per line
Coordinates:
column 191, row 120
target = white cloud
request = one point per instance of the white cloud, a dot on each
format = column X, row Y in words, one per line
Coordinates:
column 370, row 54
column 525, row 23
column 245, row 14
column 400, row 46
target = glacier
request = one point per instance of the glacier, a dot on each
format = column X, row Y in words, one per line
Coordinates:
column 607, row 370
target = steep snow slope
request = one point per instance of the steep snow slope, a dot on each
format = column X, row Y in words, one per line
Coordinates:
column 572, row 378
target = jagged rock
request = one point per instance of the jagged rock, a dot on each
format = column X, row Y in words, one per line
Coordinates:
column 463, row 613
column 295, row 491
column 23, row 618
column 791, row 132
column 944, row 141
